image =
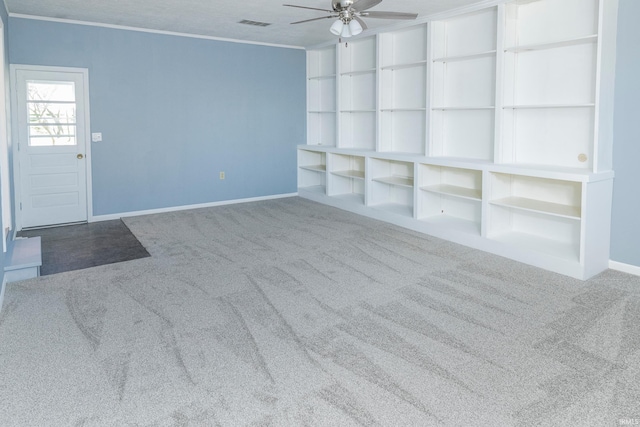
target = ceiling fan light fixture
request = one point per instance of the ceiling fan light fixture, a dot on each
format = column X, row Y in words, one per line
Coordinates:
column 354, row 27
column 337, row 27
column 346, row 32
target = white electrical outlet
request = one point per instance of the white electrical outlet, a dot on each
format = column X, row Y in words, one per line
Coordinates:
column 221, row 175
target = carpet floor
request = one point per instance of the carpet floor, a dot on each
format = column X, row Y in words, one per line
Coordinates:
column 292, row 313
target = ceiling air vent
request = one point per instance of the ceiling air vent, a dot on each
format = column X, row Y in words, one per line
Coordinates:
column 254, row 23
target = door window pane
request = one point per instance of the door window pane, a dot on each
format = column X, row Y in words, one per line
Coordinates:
column 42, row 112
column 51, row 111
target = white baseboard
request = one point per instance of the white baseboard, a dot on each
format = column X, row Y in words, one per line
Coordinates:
column 110, row 217
column 625, row 268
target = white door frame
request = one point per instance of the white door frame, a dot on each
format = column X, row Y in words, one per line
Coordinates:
column 13, row 68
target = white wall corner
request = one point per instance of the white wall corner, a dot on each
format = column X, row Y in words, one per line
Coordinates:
column 625, row 268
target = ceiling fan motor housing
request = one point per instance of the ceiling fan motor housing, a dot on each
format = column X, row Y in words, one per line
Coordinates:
column 339, row 5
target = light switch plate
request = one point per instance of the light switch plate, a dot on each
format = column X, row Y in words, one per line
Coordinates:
column 96, row 137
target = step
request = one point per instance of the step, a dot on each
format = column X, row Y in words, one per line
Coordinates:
column 23, row 259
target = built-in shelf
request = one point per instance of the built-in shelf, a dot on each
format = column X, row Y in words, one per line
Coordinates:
column 553, row 45
column 402, row 66
column 466, row 57
column 322, row 112
column 453, row 190
column 350, row 174
column 532, row 205
column 315, row 168
column 357, row 111
column 462, row 108
column 400, row 181
column 392, row 110
column 328, row 76
column 358, row 72
column 533, row 107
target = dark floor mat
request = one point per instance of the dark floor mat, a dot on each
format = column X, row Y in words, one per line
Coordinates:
column 75, row 247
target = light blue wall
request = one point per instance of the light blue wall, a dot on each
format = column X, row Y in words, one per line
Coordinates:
column 625, row 224
column 175, row 111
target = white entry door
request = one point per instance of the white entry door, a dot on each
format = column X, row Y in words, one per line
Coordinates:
column 51, row 169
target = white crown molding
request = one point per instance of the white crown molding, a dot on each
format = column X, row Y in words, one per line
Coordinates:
column 625, row 268
column 110, row 217
column 146, row 30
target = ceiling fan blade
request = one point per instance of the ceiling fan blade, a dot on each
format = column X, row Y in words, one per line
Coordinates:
column 389, row 15
column 312, row 8
column 360, row 21
column 361, row 5
column 314, row 19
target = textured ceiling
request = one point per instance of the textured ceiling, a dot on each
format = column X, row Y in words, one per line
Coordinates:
column 219, row 18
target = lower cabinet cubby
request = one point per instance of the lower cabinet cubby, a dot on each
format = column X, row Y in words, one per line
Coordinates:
column 391, row 186
column 541, row 214
column 346, row 178
column 450, row 197
column 312, row 166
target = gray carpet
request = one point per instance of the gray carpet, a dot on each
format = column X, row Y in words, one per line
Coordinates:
column 291, row 313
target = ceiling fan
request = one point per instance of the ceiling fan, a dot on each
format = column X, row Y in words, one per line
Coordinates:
column 350, row 14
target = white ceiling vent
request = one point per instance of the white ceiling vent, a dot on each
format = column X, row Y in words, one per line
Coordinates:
column 254, row 23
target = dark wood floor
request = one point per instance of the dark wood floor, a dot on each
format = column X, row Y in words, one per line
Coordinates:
column 74, row 247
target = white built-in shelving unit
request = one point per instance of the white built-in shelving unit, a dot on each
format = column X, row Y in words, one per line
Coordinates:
column 489, row 126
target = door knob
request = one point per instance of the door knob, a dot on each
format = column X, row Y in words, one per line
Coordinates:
column 80, row 156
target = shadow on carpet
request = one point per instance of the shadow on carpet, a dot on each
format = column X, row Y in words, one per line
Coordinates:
column 75, row 247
